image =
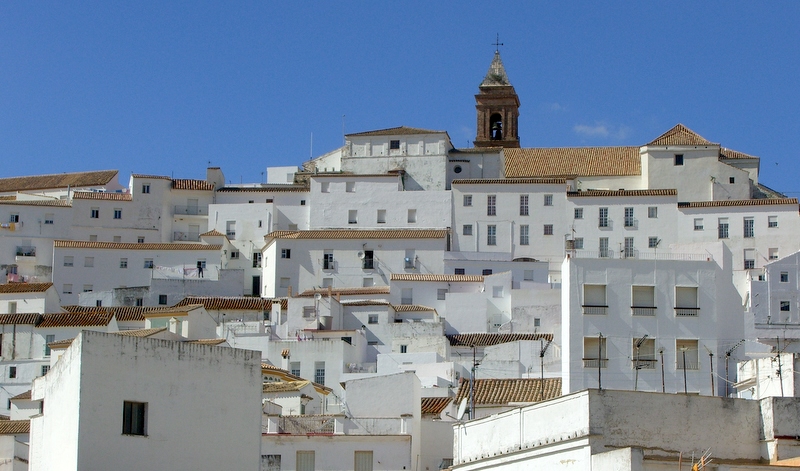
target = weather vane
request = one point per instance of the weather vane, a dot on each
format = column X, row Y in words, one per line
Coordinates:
column 497, row 43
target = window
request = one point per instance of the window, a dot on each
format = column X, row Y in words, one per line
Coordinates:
column 367, row 282
column 327, row 260
column 234, row 255
column 284, row 282
column 45, row 369
column 687, row 354
column 786, row 306
column 594, row 352
column 441, row 294
column 491, row 205
column 410, row 259
column 140, row 301
column 350, row 187
column 48, row 218
column 145, row 188
column 68, row 260
column 578, row 213
column 403, row 348
column 407, row 296
column 352, row 216
column 326, row 282
column 394, row 144
column 148, row 263
column 602, row 217
column 722, row 228
column 14, row 217
column 678, row 159
column 686, row 301
column 294, row 368
column 652, row 242
column 123, row 263
column 524, row 234
column 12, row 371
column 381, row 216
column 749, row 226
column 134, row 416
column 749, row 259
column 603, row 249
column 162, row 299
column 363, row 461
column 643, row 300
column 577, row 243
column 491, row 234
column 325, row 187
column 319, row 372
column 412, row 216
column 305, row 461
column 594, row 300
column 548, row 229
column 117, row 213
column 784, row 277
column 257, row 259
column 230, row 229
column 772, row 221
column 67, row 289
column 497, row 291
column 731, row 180
column 466, row 229
column 459, row 271
column 652, row 212
column 88, row 261
column 260, row 224
column 93, row 238
column 98, row 302
column 286, row 253
column 368, row 261
column 12, row 307
column 95, row 213
column 527, row 275
column 548, row 200
column 372, row 319
column 523, row 205
column 644, row 353
column 467, row 200
column 117, row 239
column 629, row 221
column 698, row 224
column 140, row 240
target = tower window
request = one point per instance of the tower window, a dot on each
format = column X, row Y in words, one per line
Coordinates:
column 496, row 127
column 394, row 144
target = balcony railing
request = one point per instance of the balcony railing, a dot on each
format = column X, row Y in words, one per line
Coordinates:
column 593, row 363
column 642, row 255
column 643, row 311
column 591, row 310
column 691, row 364
column 26, row 251
column 687, row 311
column 644, row 363
column 192, row 210
column 631, row 222
column 368, row 264
column 185, row 236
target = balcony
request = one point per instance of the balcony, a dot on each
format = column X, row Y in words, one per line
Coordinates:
column 185, row 236
column 191, row 210
column 590, row 310
column 26, row 251
column 328, row 264
column 631, row 223
column 368, row 264
column 643, row 311
column 644, row 363
column 594, row 363
column 691, row 364
column 642, row 255
column 687, row 311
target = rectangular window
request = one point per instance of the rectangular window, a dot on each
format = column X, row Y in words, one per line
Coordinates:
column 749, row 227
column 527, row 275
column 67, row 288
column 412, row 216
column 48, row 218
column 394, row 144
column 548, row 229
column 497, row 291
column 352, row 216
column 68, row 260
column 45, row 369
column 652, row 242
column 95, row 213
column 524, row 234
column 786, row 306
column 466, row 229
column 93, row 238
column 305, row 461
column 134, row 418
column 294, row 368
column 652, row 212
column 594, row 300
column 486, row 272
column 629, row 221
column 12, row 307
column 381, row 216
column 234, row 255
column 548, row 200
column 602, row 217
column 12, row 371
column 88, row 261
column 523, row 205
column 643, row 300
column 327, row 260
column 407, row 296
column 117, row 213
column 441, row 294
column 372, row 319
column 687, row 354
column 578, row 213
column 286, row 253
column 772, row 221
column 325, row 187
column 284, row 282
column 145, row 188
column 644, row 353
column 257, row 259
column 491, row 205
column 403, row 348
column 698, row 224
column 467, row 200
column 230, row 229
column 410, row 260
column 117, row 239
column 686, row 301
column 732, row 180
column 577, row 243
column 594, row 352
column 784, row 277
column 140, row 301
column 98, row 302
column 749, row 259
column 491, row 234
column 603, row 249
column 367, row 282
column 678, row 159
column 319, row 372
column 363, row 461
column 459, row 271
column 14, row 217
column 368, row 261
column 140, row 240
column 148, row 263
column 350, row 187
column 722, row 228
column 123, row 263
column 162, row 299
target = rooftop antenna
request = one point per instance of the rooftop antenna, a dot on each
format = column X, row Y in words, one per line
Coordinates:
column 311, row 151
column 636, row 380
column 542, row 351
column 711, row 361
column 727, row 357
column 343, row 138
column 497, row 43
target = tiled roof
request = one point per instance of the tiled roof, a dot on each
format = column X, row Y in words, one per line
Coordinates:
column 476, row 150
column 360, row 234
column 400, row 130
column 30, row 319
column 680, row 135
column 83, row 244
column 186, row 184
column 98, row 195
column 123, row 313
column 345, row 291
column 53, row 203
column 171, row 310
column 13, row 427
column 284, row 386
column 665, row 192
column 213, row 233
column 141, row 333
column 433, row 277
column 266, row 367
column 366, row 302
column 572, row 161
column 68, row 319
column 159, row 177
column 411, row 308
column 756, row 202
column 504, row 391
column 22, row 396
column 496, row 76
column 512, row 181
column 24, row 287
column 434, row 405
column 264, row 189
column 242, row 303
column 58, row 344
column 8, row 197
column 62, row 180
column 351, row 175
column 731, row 154
column 211, row 342
column 488, row 339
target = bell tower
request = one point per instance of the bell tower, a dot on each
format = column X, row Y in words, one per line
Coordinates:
column 497, row 105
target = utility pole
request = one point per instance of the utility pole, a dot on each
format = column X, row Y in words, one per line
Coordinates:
column 472, row 383
column 663, row 387
column 780, row 368
column 636, row 380
column 685, row 387
column 599, row 360
column 711, row 361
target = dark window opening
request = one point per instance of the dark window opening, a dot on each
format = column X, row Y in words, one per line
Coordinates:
column 496, row 127
column 133, row 418
column 394, row 144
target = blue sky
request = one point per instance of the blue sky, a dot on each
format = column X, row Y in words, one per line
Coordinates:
column 167, row 87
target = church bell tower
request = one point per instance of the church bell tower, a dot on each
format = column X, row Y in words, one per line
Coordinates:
column 498, row 109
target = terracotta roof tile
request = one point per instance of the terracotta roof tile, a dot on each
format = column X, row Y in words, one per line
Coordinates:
column 141, row 333
column 365, row 302
column 213, row 233
column 242, row 303
column 284, row 386
column 572, row 161
column 265, row 189
column 360, row 234
column 83, row 244
column 98, row 195
column 504, row 391
column 731, row 154
column 345, row 291
column 756, row 202
column 68, row 319
column 54, row 181
column 8, row 197
column 266, row 368
column 680, row 135
column 59, row 344
column 186, row 184
column 122, row 313
column 477, row 150
column 23, row 396
column 665, row 192
column 212, row 342
column 398, row 131
column 434, row 405
column 159, row 177
column 437, row 278
column 411, row 308
column 24, row 287
column 53, row 203
column 171, row 310
column 351, row 175
column 14, row 427
column 511, row 181
column 28, row 319
column 489, row 339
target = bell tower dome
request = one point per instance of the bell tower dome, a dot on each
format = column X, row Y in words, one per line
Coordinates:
column 497, row 105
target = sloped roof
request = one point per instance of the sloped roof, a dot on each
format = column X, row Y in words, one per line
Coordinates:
column 54, row 181
column 436, row 277
column 8, row 288
column 680, row 135
column 99, row 195
column 212, row 342
column 264, row 189
column 242, row 303
column 489, row 339
column 411, row 308
column 756, row 202
column 345, row 291
column 511, row 181
column 360, row 234
column 13, row 427
column 284, row 386
column 213, row 233
column 266, row 367
column 53, row 203
column 59, row 344
column 123, row 313
column 572, row 161
column 730, row 154
column 84, row 244
column 187, row 184
column 504, row 391
column 366, row 302
column 628, row 193
column 141, row 333
column 434, row 405
column 496, row 76
column 22, row 396
column 29, row 319
column 159, row 177
column 68, row 319
column 396, row 131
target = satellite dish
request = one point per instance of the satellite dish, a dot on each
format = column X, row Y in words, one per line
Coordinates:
column 317, row 296
column 462, row 408
column 361, row 255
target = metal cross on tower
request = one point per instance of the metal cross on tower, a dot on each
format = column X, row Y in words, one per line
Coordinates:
column 497, row 43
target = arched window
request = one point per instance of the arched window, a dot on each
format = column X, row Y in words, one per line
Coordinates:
column 496, row 127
